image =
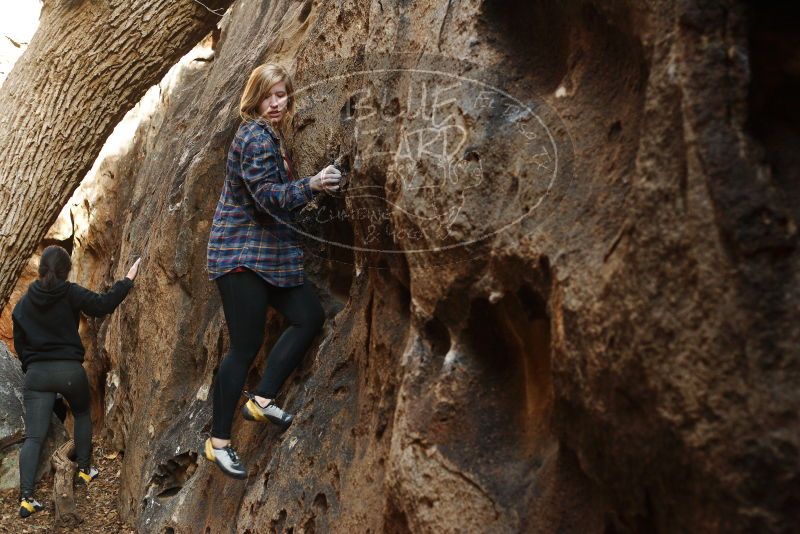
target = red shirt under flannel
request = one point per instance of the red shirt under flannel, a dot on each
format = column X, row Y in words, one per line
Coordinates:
column 258, row 199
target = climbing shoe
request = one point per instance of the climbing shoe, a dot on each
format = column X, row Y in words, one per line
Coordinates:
column 253, row 411
column 29, row 506
column 87, row 475
column 226, row 459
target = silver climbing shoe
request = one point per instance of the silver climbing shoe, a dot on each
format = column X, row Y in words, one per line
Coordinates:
column 253, row 411
column 226, row 459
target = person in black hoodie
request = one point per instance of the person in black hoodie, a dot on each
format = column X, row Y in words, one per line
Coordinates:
column 46, row 339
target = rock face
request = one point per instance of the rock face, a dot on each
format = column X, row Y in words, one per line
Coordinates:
column 617, row 350
column 29, row 274
column 12, row 424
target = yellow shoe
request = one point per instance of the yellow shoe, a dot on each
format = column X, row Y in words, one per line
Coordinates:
column 87, row 475
column 29, row 506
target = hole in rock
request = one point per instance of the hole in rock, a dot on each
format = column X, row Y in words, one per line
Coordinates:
column 321, row 503
column 278, row 523
column 535, row 308
column 438, row 336
column 396, row 521
column 505, row 367
column 170, row 476
column 304, row 12
column 512, row 341
column 615, row 131
column 535, row 34
column 774, row 109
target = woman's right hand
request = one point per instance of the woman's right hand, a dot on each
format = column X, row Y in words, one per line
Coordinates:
column 326, row 180
column 134, row 270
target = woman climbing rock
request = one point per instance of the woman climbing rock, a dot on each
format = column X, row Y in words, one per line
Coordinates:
column 256, row 260
column 46, row 339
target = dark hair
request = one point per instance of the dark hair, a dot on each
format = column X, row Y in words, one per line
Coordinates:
column 54, row 266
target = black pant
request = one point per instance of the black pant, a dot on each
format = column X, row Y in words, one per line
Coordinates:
column 42, row 381
column 245, row 298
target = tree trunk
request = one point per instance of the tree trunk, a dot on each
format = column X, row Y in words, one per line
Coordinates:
column 89, row 62
column 63, row 490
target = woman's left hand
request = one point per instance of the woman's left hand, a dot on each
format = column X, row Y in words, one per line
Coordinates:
column 326, row 180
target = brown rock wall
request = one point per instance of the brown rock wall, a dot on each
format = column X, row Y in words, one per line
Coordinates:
column 621, row 358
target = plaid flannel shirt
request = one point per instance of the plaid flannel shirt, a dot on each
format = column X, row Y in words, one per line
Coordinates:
column 248, row 229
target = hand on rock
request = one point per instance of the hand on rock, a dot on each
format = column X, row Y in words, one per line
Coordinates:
column 326, row 180
column 134, row 270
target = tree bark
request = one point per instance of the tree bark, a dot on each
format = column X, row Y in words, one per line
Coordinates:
column 89, row 62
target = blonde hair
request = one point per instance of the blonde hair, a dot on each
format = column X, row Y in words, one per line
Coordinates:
column 257, row 89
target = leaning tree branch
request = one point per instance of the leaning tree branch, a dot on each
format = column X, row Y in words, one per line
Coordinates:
column 88, row 63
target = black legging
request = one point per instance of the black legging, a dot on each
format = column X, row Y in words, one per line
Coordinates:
column 42, row 381
column 245, row 298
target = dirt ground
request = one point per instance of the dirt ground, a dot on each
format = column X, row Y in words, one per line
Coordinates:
column 97, row 504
